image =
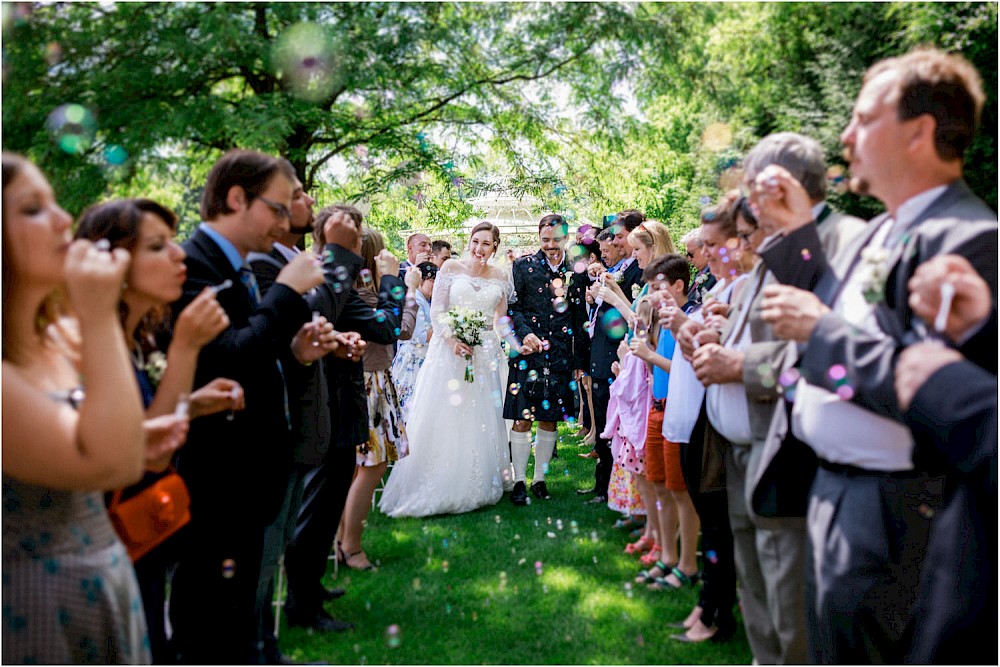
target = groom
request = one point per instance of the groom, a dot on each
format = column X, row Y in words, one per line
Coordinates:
column 548, row 313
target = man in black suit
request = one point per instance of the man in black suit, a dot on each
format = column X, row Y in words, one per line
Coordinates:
column 913, row 120
column 237, row 467
column 952, row 404
column 307, row 391
column 326, row 485
column 605, row 339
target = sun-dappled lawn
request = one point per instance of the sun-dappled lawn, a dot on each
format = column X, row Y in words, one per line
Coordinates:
column 543, row 584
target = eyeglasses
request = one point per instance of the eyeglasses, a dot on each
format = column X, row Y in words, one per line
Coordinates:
column 745, row 236
column 280, row 210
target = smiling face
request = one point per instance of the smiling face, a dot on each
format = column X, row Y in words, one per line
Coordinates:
column 552, row 240
column 157, row 272
column 36, row 230
column 642, row 253
column 266, row 219
column 482, row 246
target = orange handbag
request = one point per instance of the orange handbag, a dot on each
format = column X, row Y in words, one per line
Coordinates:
column 148, row 518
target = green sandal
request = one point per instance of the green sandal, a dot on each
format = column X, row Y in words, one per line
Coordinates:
column 647, row 576
column 662, row 583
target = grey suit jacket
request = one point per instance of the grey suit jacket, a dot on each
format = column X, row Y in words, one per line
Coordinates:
column 956, row 222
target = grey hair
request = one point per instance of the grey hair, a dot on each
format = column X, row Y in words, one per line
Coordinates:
column 802, row 156
column 692, row 235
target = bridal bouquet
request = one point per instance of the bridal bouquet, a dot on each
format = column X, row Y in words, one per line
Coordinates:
column 467, row 325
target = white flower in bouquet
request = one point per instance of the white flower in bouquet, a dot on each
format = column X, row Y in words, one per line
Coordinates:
column 874, row 264
column 467, row 325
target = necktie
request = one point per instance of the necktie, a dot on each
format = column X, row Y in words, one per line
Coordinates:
column 250, row 282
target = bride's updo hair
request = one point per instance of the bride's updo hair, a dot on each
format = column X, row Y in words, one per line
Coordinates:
column 487, row 226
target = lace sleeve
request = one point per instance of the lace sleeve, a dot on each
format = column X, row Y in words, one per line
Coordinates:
column 439, row 301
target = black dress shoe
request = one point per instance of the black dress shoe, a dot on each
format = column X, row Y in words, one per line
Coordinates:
column 333, row 593
column 321, row 621
column 539, row 490
column 519, row 494
column 584, row 492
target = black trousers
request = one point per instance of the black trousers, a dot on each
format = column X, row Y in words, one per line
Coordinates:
column 323, row 497
column 276, row 538
column 602, row 474
column 213, row 596
column 718, row 561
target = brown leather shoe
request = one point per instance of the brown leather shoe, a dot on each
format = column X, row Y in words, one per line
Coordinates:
column 592, row 454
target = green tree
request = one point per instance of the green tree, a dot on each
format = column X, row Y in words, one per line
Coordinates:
column 310, row 81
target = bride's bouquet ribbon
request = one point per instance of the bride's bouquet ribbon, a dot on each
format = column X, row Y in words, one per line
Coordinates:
column 467, row 326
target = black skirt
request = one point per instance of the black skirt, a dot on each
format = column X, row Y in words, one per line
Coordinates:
column 539, row 396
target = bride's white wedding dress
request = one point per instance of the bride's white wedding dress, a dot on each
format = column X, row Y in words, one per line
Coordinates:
column 459, row 456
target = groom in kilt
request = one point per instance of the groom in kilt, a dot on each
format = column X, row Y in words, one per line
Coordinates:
column 548, row 314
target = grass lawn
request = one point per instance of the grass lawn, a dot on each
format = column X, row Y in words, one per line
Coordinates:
column 543, row 584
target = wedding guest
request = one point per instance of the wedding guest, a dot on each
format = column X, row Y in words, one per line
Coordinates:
column 440, row 252
column 770, row 552
column 668, row 277
column 386, row 441
column 606, row 333
column 308, row 398
column 649, row 240
column 69, row 591
column 703, row 278
column 685, row 423
column 154, row 280
column 914, row 118
column 328, row 482
column 412, row 350
column 237, row 470
column 418, row 249
column 548, row 316
column 952, row 403
column 626, row 425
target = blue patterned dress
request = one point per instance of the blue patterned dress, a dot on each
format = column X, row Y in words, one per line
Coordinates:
column 410, row 355
column 69, row 590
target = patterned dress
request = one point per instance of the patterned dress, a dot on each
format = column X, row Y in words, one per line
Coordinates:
column 411, row 354
column 69, row 591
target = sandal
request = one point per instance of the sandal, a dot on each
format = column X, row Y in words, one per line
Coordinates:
column 345, row 559
column 642, row 545
column 653, row 556
column 648, row 576
column 629, row 522
column 687, row 580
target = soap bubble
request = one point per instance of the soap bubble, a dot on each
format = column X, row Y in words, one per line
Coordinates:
column 305, row 61
column 560, row 305
column 614, row 325
column 392, row 636
column 72, row 127
column 532, row 375
column 115, row 155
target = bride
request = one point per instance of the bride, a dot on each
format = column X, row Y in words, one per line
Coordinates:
column 459, row 457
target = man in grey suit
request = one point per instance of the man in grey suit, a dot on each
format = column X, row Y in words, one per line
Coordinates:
column 769, row 552
column 875, row 491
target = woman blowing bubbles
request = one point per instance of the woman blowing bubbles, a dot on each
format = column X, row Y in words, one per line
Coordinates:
column 69, row 591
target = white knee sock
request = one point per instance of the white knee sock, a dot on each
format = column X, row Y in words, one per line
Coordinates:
column 520, row 450
column 545, row 442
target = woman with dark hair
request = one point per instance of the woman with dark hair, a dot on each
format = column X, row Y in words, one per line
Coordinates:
column 465, row 466
column 69, row 591
column 154, row 280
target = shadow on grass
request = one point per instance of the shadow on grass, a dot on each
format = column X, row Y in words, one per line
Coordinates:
column 543, row 584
